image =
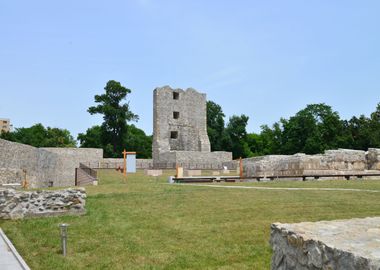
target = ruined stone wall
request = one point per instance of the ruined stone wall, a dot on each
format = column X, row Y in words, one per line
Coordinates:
column 180, row 131
column 17, row 156
column 43, row 166
column 232, row 165
column 144, row 164
column 194, row 160
column 180, row 121
column 373, row 157
column 332, row 162
column 62, row 167
column 339, row 245
column 20, row 204
column 11, row 176
column 119, row 162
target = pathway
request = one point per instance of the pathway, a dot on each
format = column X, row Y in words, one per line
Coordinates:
column 9, row 257
column 280, row 188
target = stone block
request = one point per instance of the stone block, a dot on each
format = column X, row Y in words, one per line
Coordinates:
column 338, row 245
column 216, row 173
column 193, row 173
column 153, row 172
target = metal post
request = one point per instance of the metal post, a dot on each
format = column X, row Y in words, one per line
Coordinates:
column 63, row 228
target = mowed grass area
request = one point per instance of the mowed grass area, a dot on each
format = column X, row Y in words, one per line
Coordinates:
column 144, row 223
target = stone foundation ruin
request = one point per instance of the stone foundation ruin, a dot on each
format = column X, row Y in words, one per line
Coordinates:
column 20, row 204
column 180, row 131
column 340, row 245
column 333, row 162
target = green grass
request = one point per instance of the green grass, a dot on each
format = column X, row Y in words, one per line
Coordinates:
column 146, row 224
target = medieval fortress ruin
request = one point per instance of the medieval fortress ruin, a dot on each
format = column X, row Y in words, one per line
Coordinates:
column 180, row 131
column 180, row 139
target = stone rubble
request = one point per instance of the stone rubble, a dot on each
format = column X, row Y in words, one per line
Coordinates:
column 19, row 204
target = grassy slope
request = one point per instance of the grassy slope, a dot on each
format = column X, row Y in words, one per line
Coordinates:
column 146, row 224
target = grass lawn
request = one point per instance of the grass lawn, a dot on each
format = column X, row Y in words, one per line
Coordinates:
column 147, row 224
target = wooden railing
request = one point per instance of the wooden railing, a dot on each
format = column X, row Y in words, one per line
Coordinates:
column 84, row 175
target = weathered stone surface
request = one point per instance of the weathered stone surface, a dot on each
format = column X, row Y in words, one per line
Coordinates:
column 340, row 245
column 193, row 160
column 180, row 131
column 193, row 172
column 373, row 157
column 43, row 166
column 153, row 172
column 332, row 162
column 18, row 204
column 8, row 176
column 119, row 162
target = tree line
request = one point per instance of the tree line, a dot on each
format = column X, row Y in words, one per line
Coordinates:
column 112, row 135
column 312, row 130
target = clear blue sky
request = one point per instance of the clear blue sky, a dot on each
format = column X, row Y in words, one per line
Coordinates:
column 265, row 59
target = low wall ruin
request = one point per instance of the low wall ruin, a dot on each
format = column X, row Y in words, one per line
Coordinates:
column 332, row 162
column 42, row 167
column 29, row 204
column 193, row 160
column 339, row 245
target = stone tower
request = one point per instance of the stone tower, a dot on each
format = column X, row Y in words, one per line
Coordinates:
column 180, row 127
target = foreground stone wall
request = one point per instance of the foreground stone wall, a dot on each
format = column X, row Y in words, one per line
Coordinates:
column 332, row 162
column 334, row 245
column 44, row 167
column 18, row 204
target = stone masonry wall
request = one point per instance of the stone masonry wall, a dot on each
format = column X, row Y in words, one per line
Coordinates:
column 11, row 176
column 180, row 131
column 189, row 123
column 194, row 160
column 329, row 245
column 373, row 157
column 67, row 159
column 44, row 166
column 19, row 204
column 16, row 156
column 332, row 162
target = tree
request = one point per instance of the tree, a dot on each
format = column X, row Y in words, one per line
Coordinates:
column 271, row 139
column 115, row 117
column 39, row 136
column 235, row 137
column 375, row 128
column 138, row 141
column 135, row 140
column 92, row 138
column 215, row 125
column 312, row 130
